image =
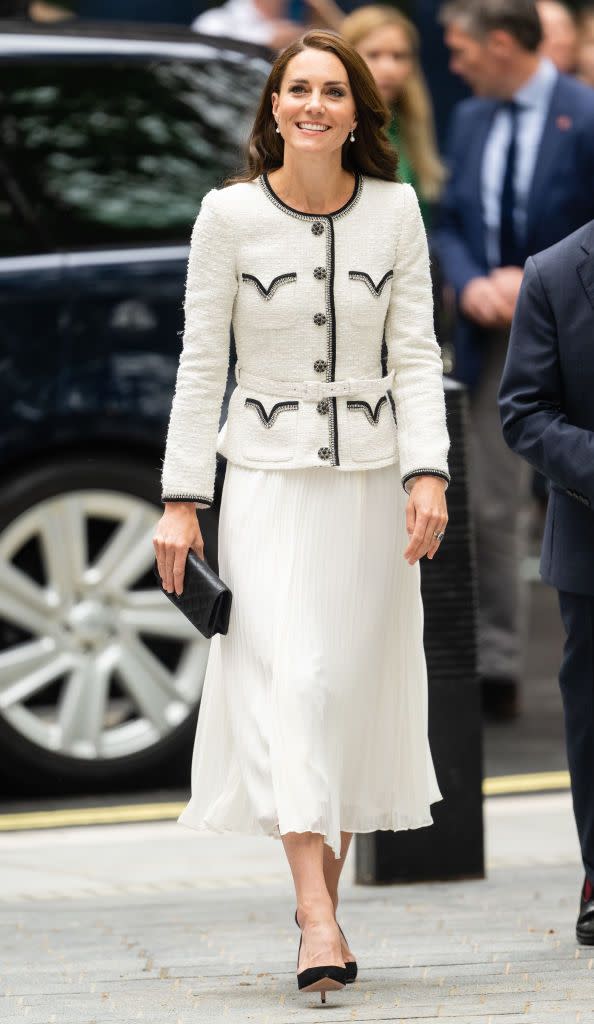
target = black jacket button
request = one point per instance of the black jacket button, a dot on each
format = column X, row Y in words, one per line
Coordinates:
column 320, row 365
column 317, row 227
column 320, row 273
column 324, row 453
column 319, row 319
column 322, row 406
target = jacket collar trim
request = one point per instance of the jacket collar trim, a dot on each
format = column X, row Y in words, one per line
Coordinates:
column 269, row 191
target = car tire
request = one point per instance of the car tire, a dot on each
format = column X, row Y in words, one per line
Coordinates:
column 80, row 506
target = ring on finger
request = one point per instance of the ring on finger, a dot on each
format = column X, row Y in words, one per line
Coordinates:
column 439, row 536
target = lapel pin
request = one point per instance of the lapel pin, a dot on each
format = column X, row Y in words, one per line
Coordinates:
column 563, row 123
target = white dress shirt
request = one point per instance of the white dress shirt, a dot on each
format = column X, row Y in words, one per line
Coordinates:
column 534, row 99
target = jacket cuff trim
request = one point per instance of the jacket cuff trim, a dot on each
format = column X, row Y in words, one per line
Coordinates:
column 186, row 497
column 425, row 472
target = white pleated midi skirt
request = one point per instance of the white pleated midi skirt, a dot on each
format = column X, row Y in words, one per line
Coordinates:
column 313, row 715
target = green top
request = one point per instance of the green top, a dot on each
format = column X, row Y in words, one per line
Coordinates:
column 406, row 171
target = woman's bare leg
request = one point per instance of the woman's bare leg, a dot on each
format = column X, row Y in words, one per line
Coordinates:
column 332, row 870
column 315, row 911
column 333, row 865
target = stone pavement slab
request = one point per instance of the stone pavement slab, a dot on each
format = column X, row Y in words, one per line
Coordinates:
column 159, row 923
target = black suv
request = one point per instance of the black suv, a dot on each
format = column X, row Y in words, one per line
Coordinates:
column 109, row 138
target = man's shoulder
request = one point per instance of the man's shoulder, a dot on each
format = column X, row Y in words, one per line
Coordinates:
column 473, row 109
column 575, row 93
column 582, row 239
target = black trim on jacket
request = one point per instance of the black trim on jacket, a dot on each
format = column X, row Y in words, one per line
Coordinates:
column 424, row 472
column 375, row 289
column 355, row 195
column 186, row 497
column 371, row 414
column 328, row 220
column 269, row 418
column 276, row 282
column 331, row 369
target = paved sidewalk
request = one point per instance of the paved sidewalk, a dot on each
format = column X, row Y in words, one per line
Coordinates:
column 158, row 923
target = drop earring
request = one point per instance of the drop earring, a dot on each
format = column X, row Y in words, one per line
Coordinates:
column 352, row 136
column 277, row 128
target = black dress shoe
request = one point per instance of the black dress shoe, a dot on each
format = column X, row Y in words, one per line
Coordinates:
column 500, row 698
column 350, row 965
column 319, row 979
column 584, row 928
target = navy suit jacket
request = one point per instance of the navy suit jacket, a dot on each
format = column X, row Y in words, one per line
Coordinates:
column 561, row 196
column 546, row 400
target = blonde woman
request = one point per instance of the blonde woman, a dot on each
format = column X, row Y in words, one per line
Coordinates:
column 389, row 43
column 313, row 719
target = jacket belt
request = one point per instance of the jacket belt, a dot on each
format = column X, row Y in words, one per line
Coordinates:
column 313, row 390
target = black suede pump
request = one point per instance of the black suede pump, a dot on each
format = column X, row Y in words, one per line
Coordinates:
column 319, row 979
column 350, row 965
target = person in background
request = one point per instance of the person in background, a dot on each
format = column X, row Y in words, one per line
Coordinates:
column 389, row 43
column 445, row 88
column 585, row 58
column 521, row 157
column 547, row 413
column 560, row 34
column 267, row 21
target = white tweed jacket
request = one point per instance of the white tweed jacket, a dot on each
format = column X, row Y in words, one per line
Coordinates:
column 311, row 298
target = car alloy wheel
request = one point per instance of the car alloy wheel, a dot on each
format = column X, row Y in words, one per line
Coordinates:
column 95, row 663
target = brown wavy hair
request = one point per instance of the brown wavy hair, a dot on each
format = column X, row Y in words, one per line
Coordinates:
column 371, row 153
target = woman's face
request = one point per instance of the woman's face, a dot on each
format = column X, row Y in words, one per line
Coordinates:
column 390, row 57
column 314, row 109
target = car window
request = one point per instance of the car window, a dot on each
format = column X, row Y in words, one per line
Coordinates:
column 15, row 239
column 108, row 152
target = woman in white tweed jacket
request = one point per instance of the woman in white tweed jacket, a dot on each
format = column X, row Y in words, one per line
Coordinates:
column 313, row 719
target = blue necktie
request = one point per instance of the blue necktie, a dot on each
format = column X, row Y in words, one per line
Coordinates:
column 510, row 254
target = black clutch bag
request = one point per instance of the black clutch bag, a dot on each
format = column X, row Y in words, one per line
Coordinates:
column 205, row 599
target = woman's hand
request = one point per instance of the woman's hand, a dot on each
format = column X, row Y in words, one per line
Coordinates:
column 426, row 515
column 177, row 531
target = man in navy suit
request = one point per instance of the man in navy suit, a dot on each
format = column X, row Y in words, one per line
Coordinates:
column 521, row 158
column 547, row 412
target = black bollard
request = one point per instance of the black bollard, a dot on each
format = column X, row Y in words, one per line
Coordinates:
column 452, row 847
